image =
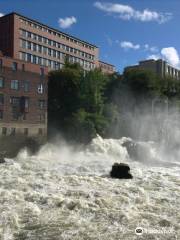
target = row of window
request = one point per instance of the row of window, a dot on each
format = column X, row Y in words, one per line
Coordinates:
column 14, row 67
column 22, row 103
column 22, row 116
column 15, row 85
column 52, row 43
column 172, row 71
column 106, row 66
column 12, row 131
column 58, row 34
column 54, row 64
column 42, row 49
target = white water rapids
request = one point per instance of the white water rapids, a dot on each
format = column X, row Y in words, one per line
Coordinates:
column 63, row 194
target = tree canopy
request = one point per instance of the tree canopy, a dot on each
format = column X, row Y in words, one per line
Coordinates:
column 81, row 105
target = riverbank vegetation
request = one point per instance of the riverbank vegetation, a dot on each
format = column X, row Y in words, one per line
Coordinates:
column 83, row 105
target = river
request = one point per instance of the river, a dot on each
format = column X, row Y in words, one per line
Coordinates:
column 63, row 193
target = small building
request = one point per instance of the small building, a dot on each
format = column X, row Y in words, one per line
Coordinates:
column 106, row 67
column 23, row 98
column 160, row 67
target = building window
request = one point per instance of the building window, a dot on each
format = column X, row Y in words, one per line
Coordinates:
column 23, row 44
column 40, row 88
column 14, row 66
column 20, row 106
column 23, row 67
column 42, row 118
column 14, row 101
column 28, row 34
column 1, row 114
column 34, row 59
column 40, row 131
column 1, row 99
column 26, row 86
column 15, row 114
column 39, row 60
column 4, row 131
column 15, row 84
column 13, row 131
column 28, row 57
column 23, row 104
column 1, row 82
column 41, row 104
column 42, row 71
column 26, row 131
column 24, row 116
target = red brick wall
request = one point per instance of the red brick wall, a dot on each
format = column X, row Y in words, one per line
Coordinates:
column 32, row 74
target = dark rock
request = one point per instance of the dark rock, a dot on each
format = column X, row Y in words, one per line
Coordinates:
column 120, row 170
column 137, row 151
column 132, row 149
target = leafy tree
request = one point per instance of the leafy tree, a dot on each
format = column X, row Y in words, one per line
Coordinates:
column 93, row 88
column 76, row 102
column 142, row 83
column 64, row 94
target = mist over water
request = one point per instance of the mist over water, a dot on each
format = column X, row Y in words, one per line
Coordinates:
column 62, row 194
column 66, row 193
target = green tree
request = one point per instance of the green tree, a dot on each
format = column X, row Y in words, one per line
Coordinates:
column 77, row 102
column 64, row 94
column 142, row 83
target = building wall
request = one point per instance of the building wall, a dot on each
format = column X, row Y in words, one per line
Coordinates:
column 106, row 67
column 23, row 109
column 60, row 44
column 149, row 65
column 35, row 42
column 160, row 67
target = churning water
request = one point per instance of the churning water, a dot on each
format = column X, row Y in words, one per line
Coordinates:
column 66, row 194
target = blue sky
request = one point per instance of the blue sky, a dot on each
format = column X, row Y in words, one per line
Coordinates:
column 126, row 31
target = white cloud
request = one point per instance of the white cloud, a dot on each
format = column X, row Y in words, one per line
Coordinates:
column 126, row 12
column 129, row 45
column 67, row 22
column 154, row 56
column 171, row 55
column 150, row 48
column 1, row 14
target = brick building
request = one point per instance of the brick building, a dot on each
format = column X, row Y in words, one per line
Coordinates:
column 28, row 51
column 159, row 67
column 23, row 98
column 31, row 41
column 106, row 67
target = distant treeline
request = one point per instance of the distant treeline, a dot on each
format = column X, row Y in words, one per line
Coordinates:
column 82, row 105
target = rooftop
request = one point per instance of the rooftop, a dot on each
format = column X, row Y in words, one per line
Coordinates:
column 54, row 29
column 106, row 63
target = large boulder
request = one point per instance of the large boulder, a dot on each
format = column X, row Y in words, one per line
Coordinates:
column 138, row 151
column 120, row 170
column 132, row 149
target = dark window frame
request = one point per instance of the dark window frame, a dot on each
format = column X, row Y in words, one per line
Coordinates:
column 13, row 84
column 14, row 66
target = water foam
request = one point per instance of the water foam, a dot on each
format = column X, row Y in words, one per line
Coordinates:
column 65, row 193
